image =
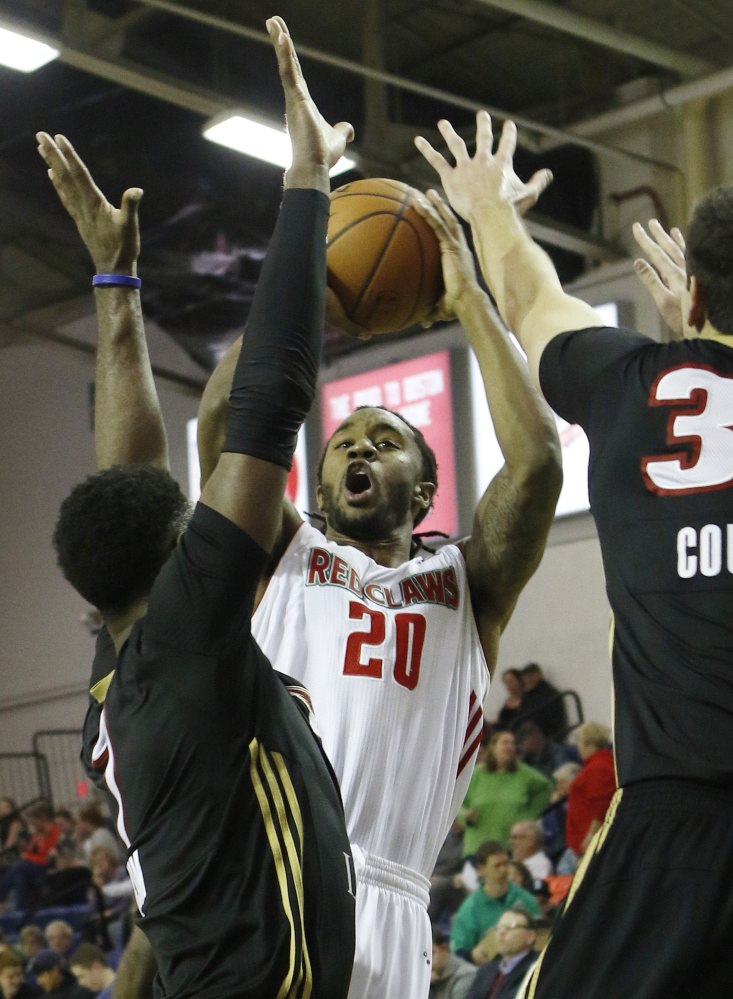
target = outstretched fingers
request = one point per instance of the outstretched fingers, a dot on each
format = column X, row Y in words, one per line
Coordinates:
column 130, row 204
column 507, row 143
column 436, row 160
column 484, row 134
column 664, row 252
column 67, row 171
column 77, row 168
column 673, row 245
column 291, row 74
column 453, row 141
column 539, row 182
column 665, row 278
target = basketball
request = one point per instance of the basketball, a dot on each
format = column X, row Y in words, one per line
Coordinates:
column 383, row 258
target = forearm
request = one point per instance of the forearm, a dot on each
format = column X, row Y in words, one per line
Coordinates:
column 524, row 425
column 514, row 266
column 128, row 423
column 276, row 372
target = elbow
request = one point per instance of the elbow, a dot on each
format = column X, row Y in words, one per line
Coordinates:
column 543, row 472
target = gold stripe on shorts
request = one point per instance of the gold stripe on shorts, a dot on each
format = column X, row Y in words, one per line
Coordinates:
column 288, row 870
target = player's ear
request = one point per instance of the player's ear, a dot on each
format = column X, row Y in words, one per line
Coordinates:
column 422, row 496
column 697, row 315
column 319, row 497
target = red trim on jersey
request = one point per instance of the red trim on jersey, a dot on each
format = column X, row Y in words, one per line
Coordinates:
column 475, row 718
column 469, row 753
column 692, row 405
column 472, row 716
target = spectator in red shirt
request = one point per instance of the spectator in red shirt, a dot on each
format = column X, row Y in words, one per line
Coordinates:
column 590, row 793
column 31, row 870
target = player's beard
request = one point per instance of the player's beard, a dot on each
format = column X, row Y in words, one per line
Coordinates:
column 375, row 524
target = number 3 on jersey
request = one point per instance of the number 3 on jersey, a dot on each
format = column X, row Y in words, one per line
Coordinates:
column 702, row 419
column 410, row 637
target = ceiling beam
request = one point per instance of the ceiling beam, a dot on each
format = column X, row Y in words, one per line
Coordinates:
column 210, row 103
column 402, row 83
column 589, row 30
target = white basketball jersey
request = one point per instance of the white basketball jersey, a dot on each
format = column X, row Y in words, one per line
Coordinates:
column 397, row 676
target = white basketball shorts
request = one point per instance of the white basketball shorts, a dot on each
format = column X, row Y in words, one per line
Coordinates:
column 394, row 943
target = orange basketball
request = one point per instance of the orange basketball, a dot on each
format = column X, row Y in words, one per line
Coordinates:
column 383, row 258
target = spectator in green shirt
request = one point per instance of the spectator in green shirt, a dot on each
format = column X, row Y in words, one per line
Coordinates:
column 502, row 791
column 484, row 907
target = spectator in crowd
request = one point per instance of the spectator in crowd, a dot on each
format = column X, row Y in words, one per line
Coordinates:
column 484, row 907
column 89, row 966
column 112, row 880
column 30, row 941
column 509, row 715
column 527, row 839
column 520, row 875
column 542, row 704
column 30, row 872
column 590, row 793
column 12, row 832
column 67, row 843
column 502, row 791
column 450, row 975
column 446, row 887
column 91, row 831
column 55, row 980
column 543, row 896
column 65, row 821
column 501, row 978
column 554, row 819
column 545, row 755
column 60, row 938
column 12, row 982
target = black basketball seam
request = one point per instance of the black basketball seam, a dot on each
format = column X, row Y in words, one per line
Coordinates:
column 422, row 269
column 362, row 218
column 377, row 262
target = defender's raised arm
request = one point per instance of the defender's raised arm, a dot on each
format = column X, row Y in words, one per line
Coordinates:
column 485, row 190
column 128, row 424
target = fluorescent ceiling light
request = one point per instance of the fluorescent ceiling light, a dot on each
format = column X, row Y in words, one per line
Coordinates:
column 24, row 53
column 261, row 141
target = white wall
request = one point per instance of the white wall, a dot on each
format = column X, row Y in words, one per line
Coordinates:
column 47, row 446
column 561, row 621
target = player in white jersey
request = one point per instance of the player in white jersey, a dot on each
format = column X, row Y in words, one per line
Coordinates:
column 394, row 649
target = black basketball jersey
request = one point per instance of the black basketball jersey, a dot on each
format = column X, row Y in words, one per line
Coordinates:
column 232, row 817
column 659, row 418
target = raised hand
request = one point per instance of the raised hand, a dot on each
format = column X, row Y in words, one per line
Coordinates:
column 484, row 177
column 665, row 278
column 112, row 235
column 459, row 268
column 317, row 146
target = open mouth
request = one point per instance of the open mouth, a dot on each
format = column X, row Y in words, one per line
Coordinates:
column 358, row 482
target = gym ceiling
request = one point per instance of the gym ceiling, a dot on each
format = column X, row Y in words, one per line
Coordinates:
column 136, row 80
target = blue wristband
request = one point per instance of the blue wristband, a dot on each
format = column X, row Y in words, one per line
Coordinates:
column 127, row 280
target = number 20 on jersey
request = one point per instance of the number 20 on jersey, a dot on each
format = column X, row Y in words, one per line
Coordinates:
column 409, row 640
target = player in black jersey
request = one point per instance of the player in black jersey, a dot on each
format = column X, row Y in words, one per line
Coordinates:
column 650, row 912
column 236, row 843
